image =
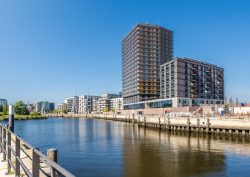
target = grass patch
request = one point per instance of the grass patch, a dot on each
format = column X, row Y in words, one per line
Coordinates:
column 23, row 117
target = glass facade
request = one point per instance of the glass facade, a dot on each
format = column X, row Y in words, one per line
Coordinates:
column 134, row 106
column 160, row 104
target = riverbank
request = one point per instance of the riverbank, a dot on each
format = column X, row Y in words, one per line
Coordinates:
column 23, row 117
column 188, row 124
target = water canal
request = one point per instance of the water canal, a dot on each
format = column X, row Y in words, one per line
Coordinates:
column 97, row 148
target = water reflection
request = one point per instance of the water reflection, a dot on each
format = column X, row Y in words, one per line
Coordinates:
column 156, row 153
column 92, row 147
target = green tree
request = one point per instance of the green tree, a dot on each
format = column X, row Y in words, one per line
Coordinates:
column 65, row 111
column 113, row 110
column 1, row 108
column 106, row 109
column 21, row 109
column 35, row 114
column 5, row 110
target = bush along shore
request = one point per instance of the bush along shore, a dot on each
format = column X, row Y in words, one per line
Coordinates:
column 23, row 117
column 21, row 113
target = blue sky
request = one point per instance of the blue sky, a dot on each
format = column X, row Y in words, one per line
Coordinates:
column 50, row 48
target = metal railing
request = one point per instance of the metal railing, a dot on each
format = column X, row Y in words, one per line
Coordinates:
column 12, row 146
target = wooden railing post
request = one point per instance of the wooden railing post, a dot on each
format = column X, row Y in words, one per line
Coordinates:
column 4, row 143
column 35, row 163
column 1, row 138
column 9, row 151
column 52, row 155
column 17, row 172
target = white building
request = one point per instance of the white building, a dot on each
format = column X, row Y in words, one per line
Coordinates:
column 87, row 104
column 103, row 104
column 116, row 104
column 241, row 110
column 72, row 104
column 62, row 107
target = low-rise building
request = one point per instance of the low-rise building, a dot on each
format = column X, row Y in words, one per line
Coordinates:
column 3, row 102
column 62, row 107
column 241, row 110
column 44, row 106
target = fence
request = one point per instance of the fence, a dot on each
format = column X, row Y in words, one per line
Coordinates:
column 36, row 164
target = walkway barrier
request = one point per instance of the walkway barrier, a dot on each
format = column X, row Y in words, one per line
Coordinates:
column 24, row 159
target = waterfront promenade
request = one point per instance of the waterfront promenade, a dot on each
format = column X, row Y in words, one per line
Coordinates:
column 190, row 124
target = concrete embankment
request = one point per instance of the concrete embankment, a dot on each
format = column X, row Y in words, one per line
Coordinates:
column 190, row 124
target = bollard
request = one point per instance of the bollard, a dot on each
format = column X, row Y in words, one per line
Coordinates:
column 208, row 124
column 52, row 155
column 188, row 125
column 11, row 118
column 159, row 122
column 198, row 124
column 169, row 128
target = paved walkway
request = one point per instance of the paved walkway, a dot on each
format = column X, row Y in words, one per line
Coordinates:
column 3, row 167
column 27, row 161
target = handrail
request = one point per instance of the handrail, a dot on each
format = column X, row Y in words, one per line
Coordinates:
column 6, row 146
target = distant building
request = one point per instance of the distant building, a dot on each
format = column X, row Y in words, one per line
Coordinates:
column 72, row 104
column 62, row 107
column 144, row 49
column 86, row 103
column 103, row 103
column 51, row 106
column 31, row 107
column 3, row 102
column 95, row 104
column 116, row 104
column 44, row 106
column 247, row 104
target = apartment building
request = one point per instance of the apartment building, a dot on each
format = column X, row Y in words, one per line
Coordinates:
column 116, row 104
column 72, row 104
column 103, row 103
column 144, row 49
column 192, row 82
column 86, row 103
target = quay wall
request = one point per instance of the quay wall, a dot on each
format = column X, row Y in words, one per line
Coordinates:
column 190, row 124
